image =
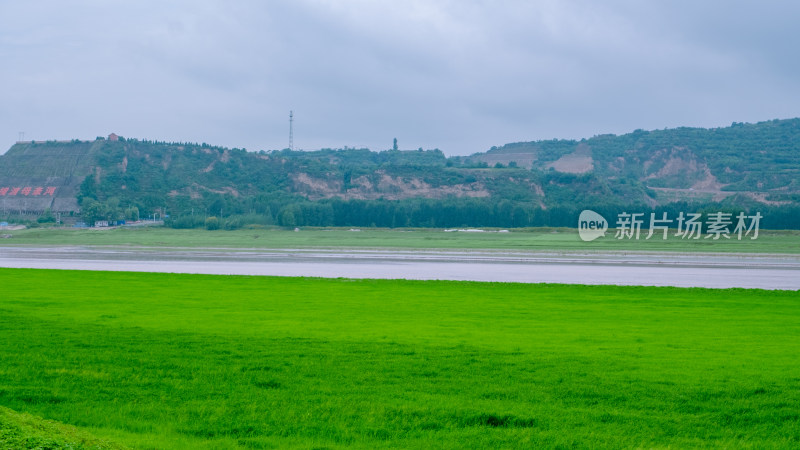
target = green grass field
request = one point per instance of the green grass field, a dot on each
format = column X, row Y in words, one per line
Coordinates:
column 191, row 361
column 533, row 239
column 19, row 430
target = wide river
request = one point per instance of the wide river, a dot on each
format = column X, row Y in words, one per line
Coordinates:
column 620, row 268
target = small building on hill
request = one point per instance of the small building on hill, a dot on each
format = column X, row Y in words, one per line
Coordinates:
column 113, row 137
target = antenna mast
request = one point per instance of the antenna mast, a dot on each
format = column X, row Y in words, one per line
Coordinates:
column 291, row 130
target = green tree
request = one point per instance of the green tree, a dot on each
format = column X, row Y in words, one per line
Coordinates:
column 92, row 211
column 132, row 213
column 212, row 223
column 287, row 217
column 233, row 223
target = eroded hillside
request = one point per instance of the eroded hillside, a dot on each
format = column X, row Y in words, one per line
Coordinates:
column 743, row 166
column 757, row 161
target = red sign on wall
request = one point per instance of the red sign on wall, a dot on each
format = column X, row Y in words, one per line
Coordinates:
column 6, row 191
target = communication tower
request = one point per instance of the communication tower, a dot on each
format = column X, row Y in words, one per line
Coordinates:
column 291, row 130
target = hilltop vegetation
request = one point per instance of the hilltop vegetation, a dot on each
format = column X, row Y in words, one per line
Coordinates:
column 759, row 157
column 743, row 167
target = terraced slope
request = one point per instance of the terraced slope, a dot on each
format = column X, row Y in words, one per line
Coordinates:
column 45, row 175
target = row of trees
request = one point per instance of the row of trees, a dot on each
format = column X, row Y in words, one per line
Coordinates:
column 458, row 212
column 110, row 210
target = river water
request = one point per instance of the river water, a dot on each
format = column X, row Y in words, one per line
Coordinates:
column 619, row 268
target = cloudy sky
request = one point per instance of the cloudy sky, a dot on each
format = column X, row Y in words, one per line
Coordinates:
column 458, row 75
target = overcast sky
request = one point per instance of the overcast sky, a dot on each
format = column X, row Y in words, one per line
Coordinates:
column 460, row 75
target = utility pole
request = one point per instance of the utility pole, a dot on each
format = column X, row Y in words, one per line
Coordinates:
column 291, row 130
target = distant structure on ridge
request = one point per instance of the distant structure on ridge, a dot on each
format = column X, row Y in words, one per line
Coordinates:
column 291, row 131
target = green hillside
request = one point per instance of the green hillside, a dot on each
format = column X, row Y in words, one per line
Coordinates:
column 760, row 161
column 744, row 167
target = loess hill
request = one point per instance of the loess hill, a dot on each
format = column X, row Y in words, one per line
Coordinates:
column 746, row 165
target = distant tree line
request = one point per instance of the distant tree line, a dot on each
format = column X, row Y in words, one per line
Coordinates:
column 451, row 213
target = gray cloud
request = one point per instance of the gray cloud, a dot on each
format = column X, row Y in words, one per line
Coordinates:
column 458, row 75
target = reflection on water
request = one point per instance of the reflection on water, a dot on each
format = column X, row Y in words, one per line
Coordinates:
column 623, row 268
